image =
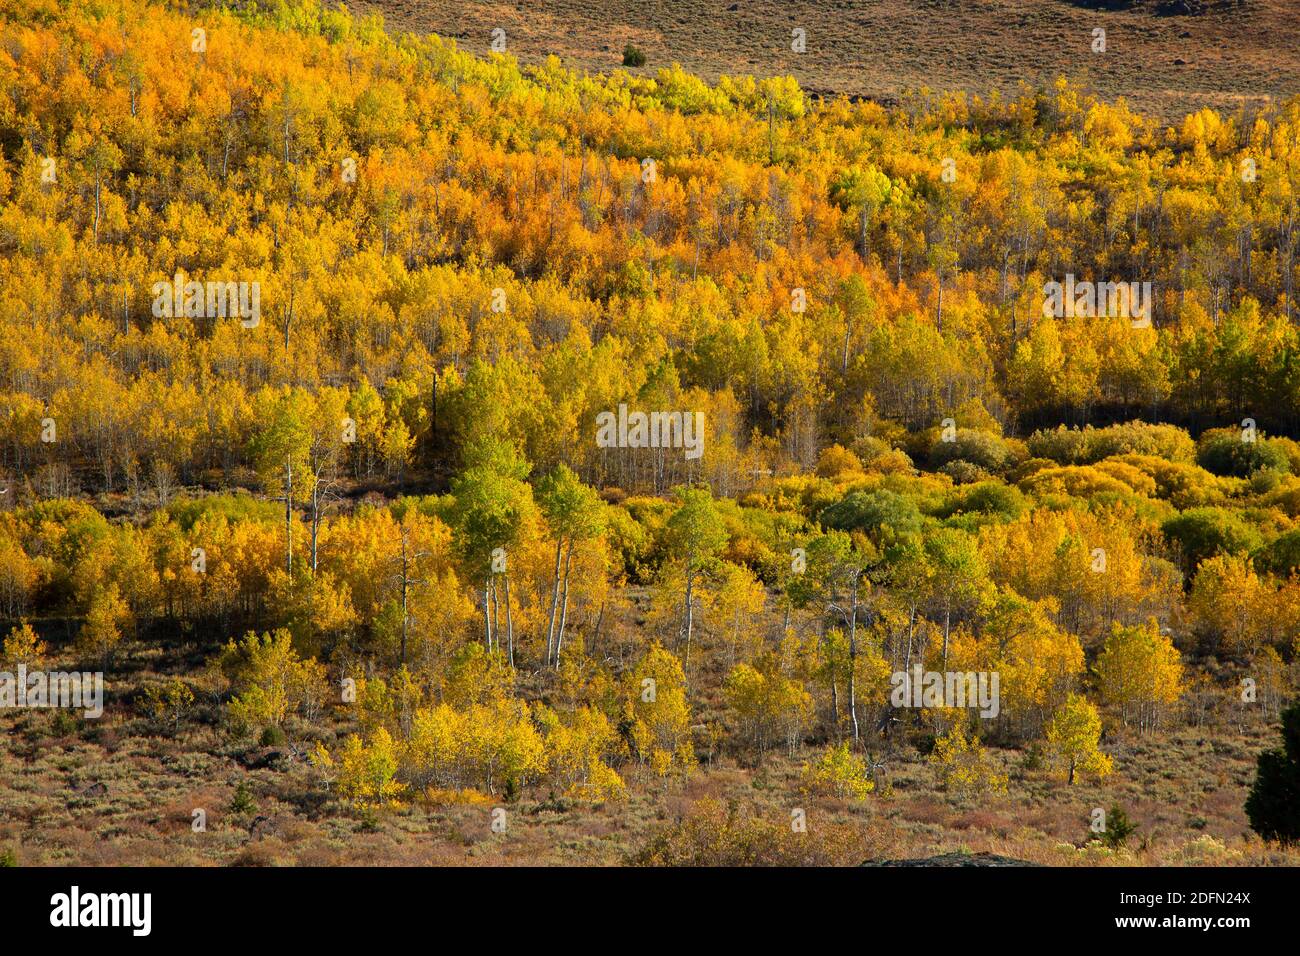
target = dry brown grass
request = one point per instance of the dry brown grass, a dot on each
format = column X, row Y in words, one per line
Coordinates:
column 1184, row 788
column 1165, row 66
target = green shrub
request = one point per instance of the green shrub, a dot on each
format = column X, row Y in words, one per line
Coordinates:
column 633, row 56
column 1085, row 446
column 871, row 511
column 233, row 507
column 983, row 449
column 1205, row 532
column 963, row 472
column 1225, row 451
column 1282, row 555
column 63, row 724
column 987, row 497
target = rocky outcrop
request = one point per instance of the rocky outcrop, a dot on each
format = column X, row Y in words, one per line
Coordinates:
column 955, row 859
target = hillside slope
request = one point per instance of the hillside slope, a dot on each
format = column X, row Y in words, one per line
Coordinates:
column 1165, row 62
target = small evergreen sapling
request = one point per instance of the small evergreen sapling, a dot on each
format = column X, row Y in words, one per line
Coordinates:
column 1273, row 806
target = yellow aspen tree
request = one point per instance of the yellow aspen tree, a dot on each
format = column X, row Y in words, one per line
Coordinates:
column 101, row 632
column 838, row 772
column 659, row 712
column 1140, row 672
column 963, row 765
column 23, row 646
column 1228, row 601
column 367, row 770
column 1073, row 735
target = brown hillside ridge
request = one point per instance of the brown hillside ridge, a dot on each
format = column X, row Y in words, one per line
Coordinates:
column 1165, row 57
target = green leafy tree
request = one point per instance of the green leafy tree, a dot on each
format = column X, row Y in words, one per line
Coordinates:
column 574, row 513
column 492, row 503
column 695, row 535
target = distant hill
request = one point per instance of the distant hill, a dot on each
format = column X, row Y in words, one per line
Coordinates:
column 1167, row 57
